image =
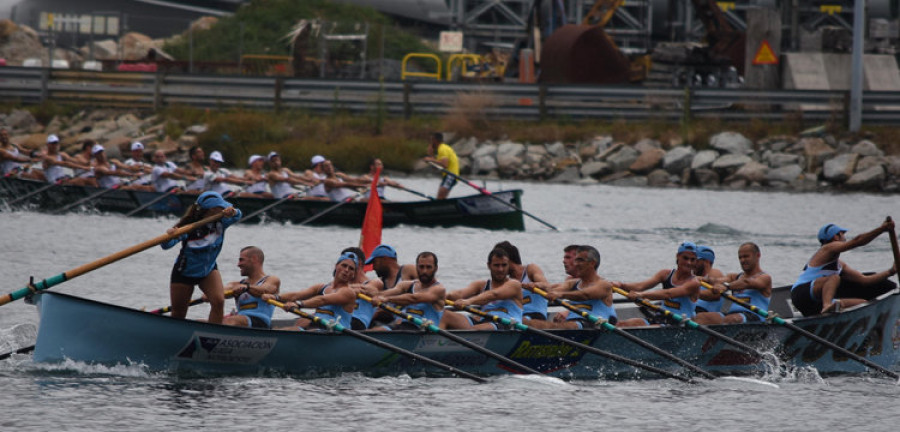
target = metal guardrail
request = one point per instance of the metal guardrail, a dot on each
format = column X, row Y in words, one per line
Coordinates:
column 149, row 90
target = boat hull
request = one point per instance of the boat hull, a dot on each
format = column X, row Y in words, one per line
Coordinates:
column 110, row 335
column 478, row 211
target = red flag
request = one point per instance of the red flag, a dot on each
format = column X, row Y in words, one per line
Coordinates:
column 370, row 237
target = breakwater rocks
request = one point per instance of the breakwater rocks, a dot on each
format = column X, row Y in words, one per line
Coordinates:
column 816, row 161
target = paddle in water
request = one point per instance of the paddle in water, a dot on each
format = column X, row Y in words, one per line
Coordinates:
column 32, row 288
column 329, row 325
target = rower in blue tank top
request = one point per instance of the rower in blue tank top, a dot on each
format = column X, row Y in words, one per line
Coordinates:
column 333, row 301
column 751, row 285
column 709, row 300
column 534, row 306
column 679, row 293
column 422, row 298
column 252, row 310
column 586, row 291
column 499, row 295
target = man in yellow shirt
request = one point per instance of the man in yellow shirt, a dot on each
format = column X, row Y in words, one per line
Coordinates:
column 443, row 155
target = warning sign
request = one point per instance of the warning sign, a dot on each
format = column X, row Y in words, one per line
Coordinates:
column 765, row 55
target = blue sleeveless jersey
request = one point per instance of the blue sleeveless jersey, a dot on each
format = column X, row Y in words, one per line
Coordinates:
column 333, row 312
column 595, row 307
column 754, row 297
column 249, row 305
column 503, row 308
column 201, row 247
column 424, row 311
column 364, row 311
column 810, row 274
column 683, row 305
column 532, row 302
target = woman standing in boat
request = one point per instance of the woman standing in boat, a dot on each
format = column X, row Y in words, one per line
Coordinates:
column 196, row 263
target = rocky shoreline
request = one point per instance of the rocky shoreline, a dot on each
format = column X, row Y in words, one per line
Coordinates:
column 813, row 161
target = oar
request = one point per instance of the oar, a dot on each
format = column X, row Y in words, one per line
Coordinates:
column 488, row 193
column 251, row 215
column 78, row 271
column 32, row 193
column 329, row 209
column 604, row 324
column 414, row 192
column 435, row 329
column 691, row 324
column 89, row 198
column 579, row 345
column 153, row 201
column 193, row 302
column 769, row 315
column 330, row 325
column 23, row 350
column 895, row 249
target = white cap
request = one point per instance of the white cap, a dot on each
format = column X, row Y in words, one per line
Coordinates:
column 97, row 148
column 271, row 155
column 216, row 156
column 317, row 159
column 137, row 146
column 254, row 158
column 52, row 139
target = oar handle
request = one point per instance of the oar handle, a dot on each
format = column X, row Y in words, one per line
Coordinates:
column 78, row 271
column 742, row 303
column 468, row 182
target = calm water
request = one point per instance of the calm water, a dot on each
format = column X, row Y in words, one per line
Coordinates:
column 636, row 231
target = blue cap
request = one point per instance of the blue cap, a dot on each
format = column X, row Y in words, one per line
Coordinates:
column 827, row 232
column 706, row 253
column 349, row 256
column 687, row 247
column 382, row 250
column 210, row 199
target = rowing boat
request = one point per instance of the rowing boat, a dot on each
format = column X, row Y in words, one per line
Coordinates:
column 111, row 335
column 480, row 211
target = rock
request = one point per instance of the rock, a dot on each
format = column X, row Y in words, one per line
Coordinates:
column 568, row 175
column 816, row 151
column 893, row 165
column 484, row 164
column 704, row 159
column 731, row 143
column 677, row 159
column 20, row 43
column 776, row 160
column 615, row 176
column 623, row 158
column 648, row 161
column 659, row 178
column 510, row 156
column 135, row 46
column 729, row 162
column 706, row 177
column 752, row 172
column 866, row 148
column 647, row 144
column 867, row 162
column 840, row 168
column 465, row 147
column 595, row 169
column 486, row 149
column 785, row 174
column 871, row 178
column 589, row 150
column 187, row 141
column 106, row 49
column 632, row 181
column 115, row 147
column 20, row 119
column 557, row 149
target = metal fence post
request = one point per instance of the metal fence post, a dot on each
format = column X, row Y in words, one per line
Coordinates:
column 45, row 82
column 407, row 107
column 542, row 101
column 279, row 85
column 686, row 113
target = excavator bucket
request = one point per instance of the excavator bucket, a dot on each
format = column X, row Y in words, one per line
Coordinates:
column 583, row 54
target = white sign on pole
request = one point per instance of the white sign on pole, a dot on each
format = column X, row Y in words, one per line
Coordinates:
column 451, row 41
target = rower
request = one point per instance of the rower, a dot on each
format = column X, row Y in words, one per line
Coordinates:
column 422, row 298
column 333, row 301
column 709, row 300
column 824, row 285
column 587, row 291
column 196, row 170
column 338, row 189
column 443, row 155
column 375, row 165
column 256, row 177
column 82, row 171
column 106, row 174
column 136, row 165
column 317, row 174
column 217, row 176
column 499, row 295
column 384, row 262
column 252, row 310
column 534, row 306
column 569, row 267
column 53, row 162
column 752, row 285
column 10, row 158
column 680, row 289
column 165, row 174
column 282, row 180
column 364, row 312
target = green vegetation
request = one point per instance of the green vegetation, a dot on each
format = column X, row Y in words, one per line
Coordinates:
column 266, row 22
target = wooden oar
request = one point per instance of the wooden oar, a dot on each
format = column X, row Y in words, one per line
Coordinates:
column 579, row 345
column 78, row 271
column 435, row 329
column 153, row 201
column 90, row 197
column 194, row 302
column 606, row 325
column 488, row 193
column 414, row 192
column 769, row 315
column 329, row 209
column 32, row 193
column 341, row 329
column 286, row 198
column 23, row 350
column 691, row 324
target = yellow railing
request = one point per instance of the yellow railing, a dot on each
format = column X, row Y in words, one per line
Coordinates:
column 426, row 56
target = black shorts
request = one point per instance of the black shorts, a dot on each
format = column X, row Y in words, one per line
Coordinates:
column 357, row 324
column 257, row 322
column 804, row 300
column 699, row 309
column 448, row 182
column 177, row 277
column 652, row 316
